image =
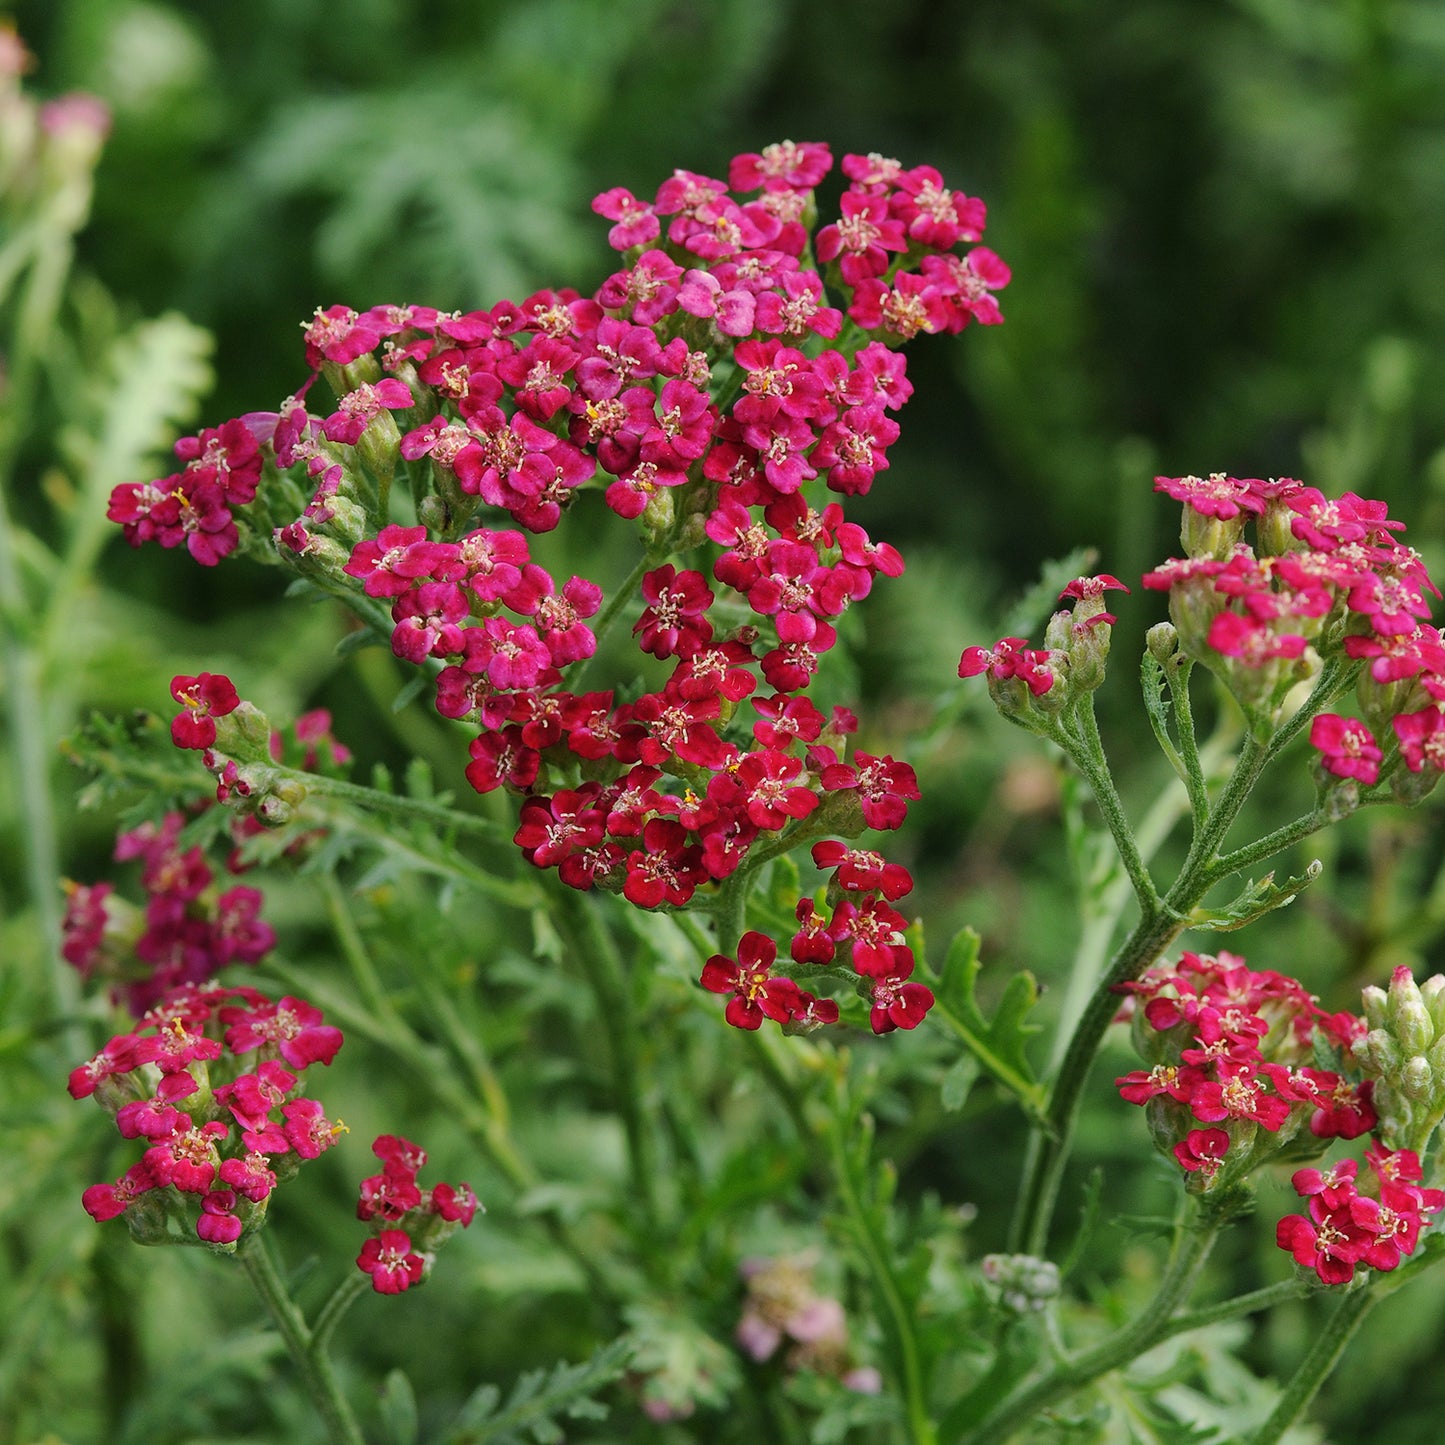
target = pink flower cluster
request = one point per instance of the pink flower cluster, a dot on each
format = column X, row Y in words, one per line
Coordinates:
column 411, row 1222
column 697, row 393
column 195, row 506
column 862, row 922
column 1327, row 575
column 1231, row 1048
column 1344, row 1228
column 784, row 1308
column 186, row 933
column 1078, row 644
column 211, row 1081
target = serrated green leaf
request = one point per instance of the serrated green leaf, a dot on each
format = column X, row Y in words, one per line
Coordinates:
column 480, row 1405
column 538, row 1398
column 1254, row 900
column 1157, row 705
column 1000, row 1044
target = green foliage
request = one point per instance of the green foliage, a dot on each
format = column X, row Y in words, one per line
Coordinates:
column 538, row 1398
column 1224, row 223
column 998, row 1045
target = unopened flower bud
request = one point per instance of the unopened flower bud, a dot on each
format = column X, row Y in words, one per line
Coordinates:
column 1203, row 536
column 1378, row 1053
column 1162, row 640
column 1432, row 995
column 657, row 515
column 1059, row 633
column 1414, row 1028
column 433, row 514
column 1372, row 996
column 364, row 371
column 1402, row 997
column 244, row 734
column 348, row 520
column 1024, row 1282
column 1436, row 1057
column 1273, row 532
column 1417, row 1079
column 378, row 446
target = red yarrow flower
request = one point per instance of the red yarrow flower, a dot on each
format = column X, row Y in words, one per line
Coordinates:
column 394, row 1266
column 756, row 995
column 205, row 698
column 1347, row 747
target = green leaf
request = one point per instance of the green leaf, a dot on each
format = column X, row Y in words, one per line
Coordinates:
column 1155, row 688
column 398, row 1409
column 1254, row 900
column 1000, row 1044
column 355, row 641
column 538, row 1398
column 958, row 1082
column 410, row 691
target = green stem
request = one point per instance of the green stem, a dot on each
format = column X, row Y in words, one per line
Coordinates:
column 1243, row 1304
column 1150, row 937
column 334, row 1310
column 1329, row 1345
column 305, row 1348
column 1088, row 757
column 1269, row 845
column 1192, row 1243
column 602, row 964
column 1159, row 925
column 373, row 800
column 874, row 1249
column 1101, row 917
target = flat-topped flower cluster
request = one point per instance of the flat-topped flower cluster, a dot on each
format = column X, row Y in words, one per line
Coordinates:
column 211, row 1081
column 1325, row 579
column 703, row 392
column 1238, row 1051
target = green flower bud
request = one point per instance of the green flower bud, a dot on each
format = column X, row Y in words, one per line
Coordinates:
column 1202, row 536
column 244, row 734
column 1023, row 1282
column 657, row 515
column 1414, row 1027
column 1273, row 533
column 1373, row 998
column 1432, row 995
column 342, row 379
column 1403, row 993
column 1162, row 640
column 1378, row 1053
column 1417, row 1079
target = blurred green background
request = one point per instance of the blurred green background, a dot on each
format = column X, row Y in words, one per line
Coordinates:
column 1226, row 222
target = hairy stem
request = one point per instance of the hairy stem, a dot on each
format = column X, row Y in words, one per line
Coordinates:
column 1193, row 1240
column 305, row 1348
column 1329, row 1345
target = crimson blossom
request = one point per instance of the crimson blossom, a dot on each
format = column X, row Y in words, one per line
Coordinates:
column 725, row 394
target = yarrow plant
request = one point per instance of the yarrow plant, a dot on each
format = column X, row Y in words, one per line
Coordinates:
column 718, row 404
